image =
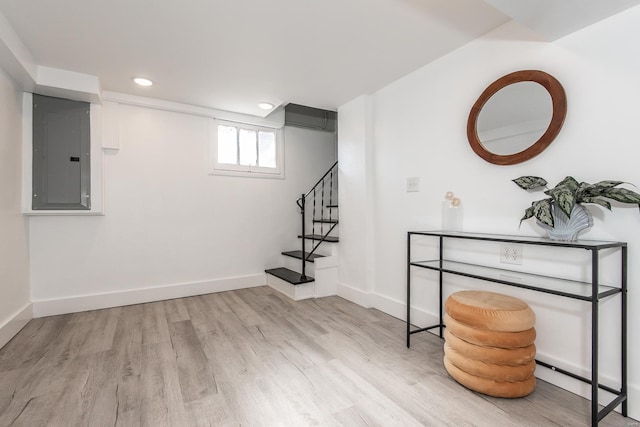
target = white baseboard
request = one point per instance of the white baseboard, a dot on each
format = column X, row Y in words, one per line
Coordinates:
column 398, row 309
column 354, row 295
column 52, row 307
column 387, row 305
column 12, row 326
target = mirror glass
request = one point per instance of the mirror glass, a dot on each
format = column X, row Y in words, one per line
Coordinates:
column 517, row 117
column 514, row 118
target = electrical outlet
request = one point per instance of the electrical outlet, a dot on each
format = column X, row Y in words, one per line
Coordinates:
column 511, row 253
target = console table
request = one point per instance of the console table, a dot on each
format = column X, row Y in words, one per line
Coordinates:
column 591, row 292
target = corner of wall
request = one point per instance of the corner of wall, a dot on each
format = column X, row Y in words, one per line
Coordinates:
column 354, row 295
column 15, row 323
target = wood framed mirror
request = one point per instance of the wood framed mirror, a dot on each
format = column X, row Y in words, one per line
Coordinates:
column 517, row 117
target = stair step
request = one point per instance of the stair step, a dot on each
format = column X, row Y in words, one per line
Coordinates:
column 290, row 276
column 298, row 254
column 332, row 206
column 331, row 239
column 326, row 221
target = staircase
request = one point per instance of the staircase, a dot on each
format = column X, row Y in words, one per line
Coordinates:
column 310, row 271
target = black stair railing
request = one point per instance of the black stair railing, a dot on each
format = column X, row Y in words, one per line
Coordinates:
column 322, row 194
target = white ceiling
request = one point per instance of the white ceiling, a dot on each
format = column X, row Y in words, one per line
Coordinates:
column 553, row 19
column 232, row 54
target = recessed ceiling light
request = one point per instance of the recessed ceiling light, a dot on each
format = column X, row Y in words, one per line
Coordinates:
column 142, row 81
column 266, row 105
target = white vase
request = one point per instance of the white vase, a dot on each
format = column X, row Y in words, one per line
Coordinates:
column 567, row 229
column 452, row 216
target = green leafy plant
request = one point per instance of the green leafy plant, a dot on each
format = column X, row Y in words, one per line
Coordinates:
column 568, row 192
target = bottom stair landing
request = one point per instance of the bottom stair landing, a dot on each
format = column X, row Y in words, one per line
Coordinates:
column 290, row 276
column 291, row 283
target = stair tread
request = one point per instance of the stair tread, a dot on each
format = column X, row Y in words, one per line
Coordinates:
column 326, row 221
column 331, row 239
column 298, row 254
column 331, row 206
column 290, row 276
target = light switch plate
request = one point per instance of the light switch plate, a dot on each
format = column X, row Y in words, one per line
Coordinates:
column 413, row 184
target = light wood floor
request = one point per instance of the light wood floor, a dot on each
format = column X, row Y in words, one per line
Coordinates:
column 250, row 358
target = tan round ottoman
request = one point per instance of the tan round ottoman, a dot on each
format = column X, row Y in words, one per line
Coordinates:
column 489, row 344
column 493, row 371
column 488, row 337
column 507, row 389
column 515, row 356
column 488, row 310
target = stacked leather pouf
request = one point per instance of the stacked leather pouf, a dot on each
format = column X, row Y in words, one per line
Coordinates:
column 489, row 343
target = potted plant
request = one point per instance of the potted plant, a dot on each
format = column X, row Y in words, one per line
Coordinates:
column 562, row 213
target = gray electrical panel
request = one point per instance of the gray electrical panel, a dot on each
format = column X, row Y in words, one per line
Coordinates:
column 61, row 154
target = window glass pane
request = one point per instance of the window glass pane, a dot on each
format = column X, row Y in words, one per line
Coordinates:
column 227, row 144
column 267, row 147
column 248, row 150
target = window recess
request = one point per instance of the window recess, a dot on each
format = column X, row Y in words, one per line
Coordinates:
column 61, row 154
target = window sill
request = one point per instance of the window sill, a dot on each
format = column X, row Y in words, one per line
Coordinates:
column 62, row 213
column 247, row 174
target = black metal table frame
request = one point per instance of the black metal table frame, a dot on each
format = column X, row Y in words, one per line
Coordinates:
column 594, row 298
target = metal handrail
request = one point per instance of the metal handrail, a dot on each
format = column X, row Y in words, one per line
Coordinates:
column 301, row 202
column 322, row 239
column 321, row 179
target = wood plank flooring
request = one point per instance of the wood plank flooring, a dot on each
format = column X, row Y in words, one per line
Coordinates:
column 249, row 358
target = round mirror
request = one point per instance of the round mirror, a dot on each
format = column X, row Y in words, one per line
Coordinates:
column 517, row 117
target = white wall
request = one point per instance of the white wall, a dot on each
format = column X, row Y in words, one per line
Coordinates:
column 15, row 306
column 356, row 201
column 170, row 229
column 419, row 129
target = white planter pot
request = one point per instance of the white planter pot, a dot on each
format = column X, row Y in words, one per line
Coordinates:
column 567, row 229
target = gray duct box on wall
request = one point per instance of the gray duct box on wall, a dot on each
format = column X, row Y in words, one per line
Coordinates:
column 310, row 118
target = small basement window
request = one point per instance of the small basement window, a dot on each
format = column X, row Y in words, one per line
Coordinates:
column 245, row 150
